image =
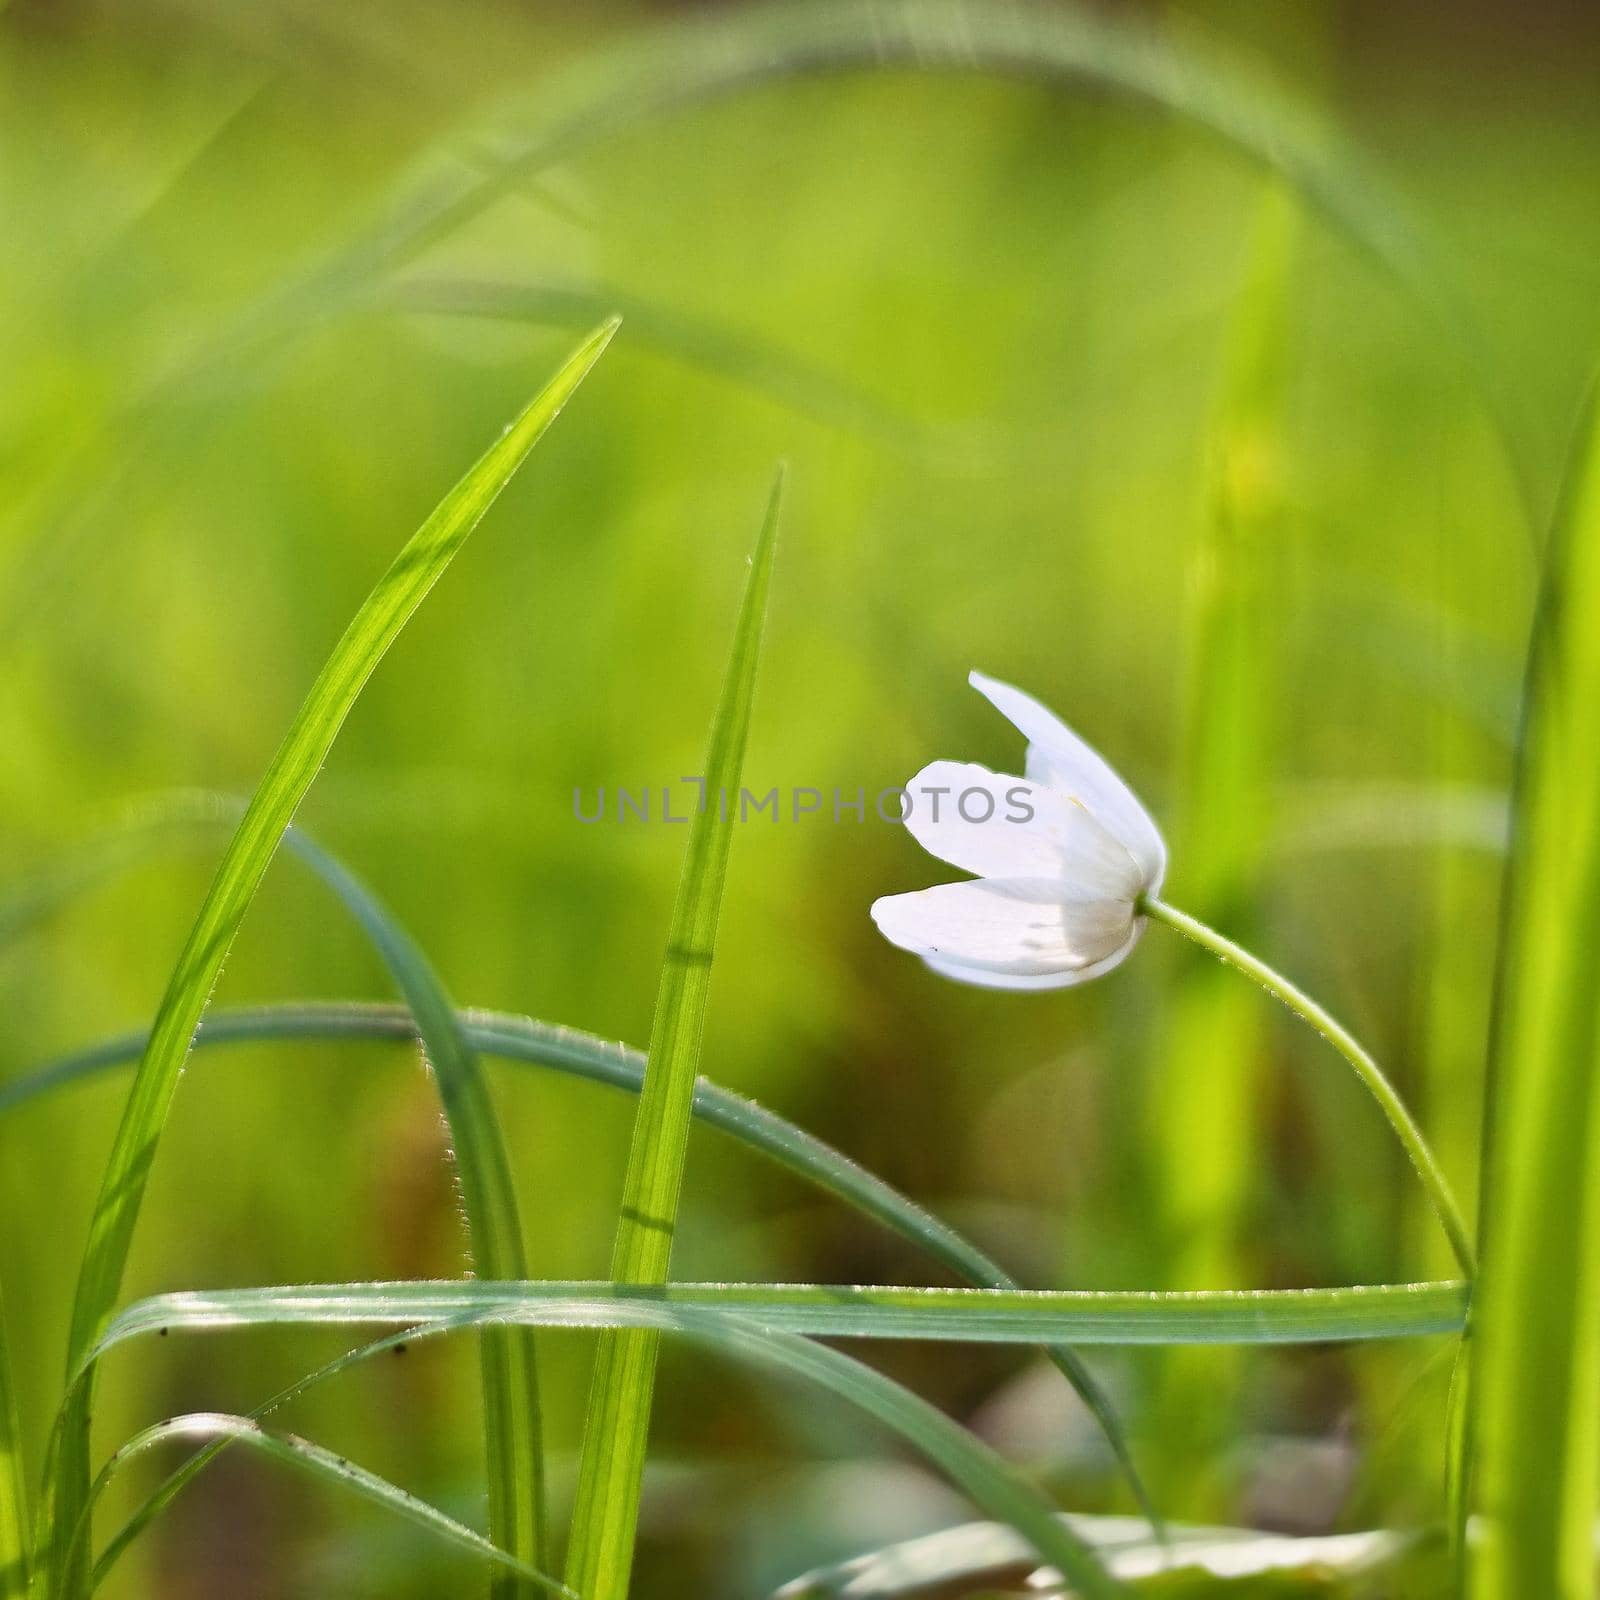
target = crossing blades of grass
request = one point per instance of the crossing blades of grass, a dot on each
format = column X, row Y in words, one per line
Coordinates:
column 989, row 1481
column 182, row 1476
column 513, row 1432
column 617, row 1428
column 1534, row 1391
column 376, row 625
column 529, row 1043
column 240, row 1308
column 512, row 1409
column 332, row 1470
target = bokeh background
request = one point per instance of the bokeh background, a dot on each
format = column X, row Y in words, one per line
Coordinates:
column 1042, row 362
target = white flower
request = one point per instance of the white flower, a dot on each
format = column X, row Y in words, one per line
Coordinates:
column 1062, row 858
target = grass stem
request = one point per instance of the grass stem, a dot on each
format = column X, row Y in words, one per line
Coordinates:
column 1366, row 1068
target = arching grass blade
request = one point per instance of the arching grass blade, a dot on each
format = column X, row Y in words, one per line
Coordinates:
column 332, row 1470
column 617, row 1428
column 376, row 625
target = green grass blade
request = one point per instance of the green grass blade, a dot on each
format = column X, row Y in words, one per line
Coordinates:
column 1534, row 1390
column 332, row 1470
column 182, row 1476
column 1114, row 1317
column 13, row 1480
column 513, row 1429
column 1209, row 1046
column 529, row 1043
column 376, row 625
column 617, row 1429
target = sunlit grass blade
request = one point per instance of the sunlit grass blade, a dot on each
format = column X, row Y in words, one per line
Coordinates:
column 568, row 1050
column 617, row 1427
column 988, row 1480
column 1534, row 1388
column 311, row 735
column 1208, row 1047
column 334, row 1471
column 14, row 1530
column 1114, row 1317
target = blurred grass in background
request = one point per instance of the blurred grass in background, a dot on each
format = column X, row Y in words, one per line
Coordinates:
column 993, row 327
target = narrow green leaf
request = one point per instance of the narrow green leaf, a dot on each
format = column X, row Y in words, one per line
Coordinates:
column 375, row 627
column 1534, row 1388
column 617, row 1429
column 13, row 1480
column 333, row 1470
column 182, row 1476
column 836, row 1311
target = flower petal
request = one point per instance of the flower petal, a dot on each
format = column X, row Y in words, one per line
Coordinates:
column 1009, row 932
column 1005, row 827
column 1060, row 760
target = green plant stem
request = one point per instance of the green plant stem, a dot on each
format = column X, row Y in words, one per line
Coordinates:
column 1366, row 1068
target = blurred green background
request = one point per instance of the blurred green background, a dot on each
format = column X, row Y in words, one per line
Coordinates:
column 998, row 330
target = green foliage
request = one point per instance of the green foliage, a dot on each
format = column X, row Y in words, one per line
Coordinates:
column 1535, row 1385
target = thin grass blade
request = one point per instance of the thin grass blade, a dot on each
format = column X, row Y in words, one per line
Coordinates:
column 833, row 1311
column 1534, row 1386
column 375, row 627
column 332, row 1470
column 617, row 1429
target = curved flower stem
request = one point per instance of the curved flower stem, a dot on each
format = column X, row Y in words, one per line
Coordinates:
column 1366, row 1069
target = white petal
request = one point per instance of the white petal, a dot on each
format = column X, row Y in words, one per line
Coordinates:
column 986, row 978
column 1023, row 830
column 1060, row 760
column 1009, row 933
